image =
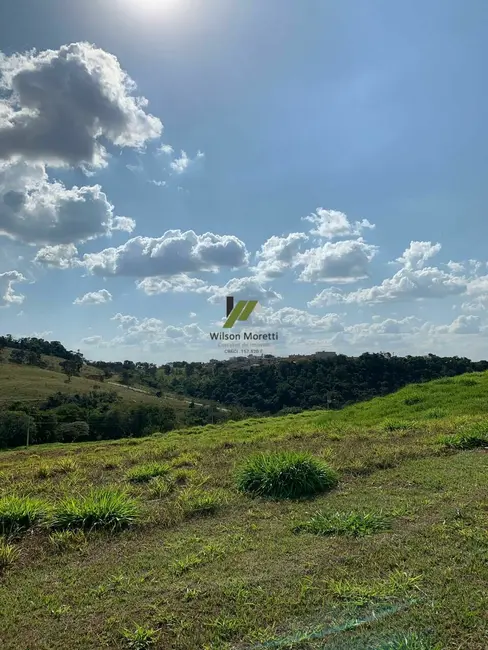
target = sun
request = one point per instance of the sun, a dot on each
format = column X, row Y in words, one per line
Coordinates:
column 152, row 7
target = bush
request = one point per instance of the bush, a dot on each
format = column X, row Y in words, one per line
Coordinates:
column 351, row 524
column 18, row 514
column 145, row 473
column 101, row 508
column 285, row 475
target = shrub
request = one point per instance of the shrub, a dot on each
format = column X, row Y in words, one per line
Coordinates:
column 18, row 514
column 145, row 473
column 8, row 555
column 285, row 475
column 352, row 524
column 100, row 508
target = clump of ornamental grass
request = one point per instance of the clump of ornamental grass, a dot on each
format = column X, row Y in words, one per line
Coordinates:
column 101, row 508
column 144, row 473
column 285, row 475
column 18, row 514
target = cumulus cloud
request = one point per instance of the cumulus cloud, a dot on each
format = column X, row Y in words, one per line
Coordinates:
column 429, row 282
column 332, row 224
column 173, row 253
column 35, row 210
column 181, row 164
column 298, row 319
column 62, row 256
column 181, row 283
column 154, row 333
column 58, row 105
column 417, row 254
column 248, row 288
column 277, row 255
column 94, row 298
column 7, row 291
column 165, row 149
column 342, row 261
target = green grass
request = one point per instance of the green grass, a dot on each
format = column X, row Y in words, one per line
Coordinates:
column 285, row 475
column 18, row 514
column 8, row 555
column 101, row 508
column 144, row 473
column 208, row 567
column 352, row 524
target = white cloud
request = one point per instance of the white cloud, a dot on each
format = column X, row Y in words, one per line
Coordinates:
column 7, row 291
column 277, row 255
column 63, row 256
column 173, row 253
column 152, row 333
column 248, row 288
column 181, row 164
column 405, row 285
column 416, row 255
column 332, row 224
column 165, row 149
column 192, row 314
column 57, row 105
column 177, row 284
column 92, row 340
column 456, row 267
column 297, row 319
column 35, row 210
column 94, row 298
column 342, row 261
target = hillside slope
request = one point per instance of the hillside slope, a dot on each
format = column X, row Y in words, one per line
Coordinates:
column 207, row 567
column 30, row 383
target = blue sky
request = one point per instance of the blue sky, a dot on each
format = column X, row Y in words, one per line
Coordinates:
column 325, row 158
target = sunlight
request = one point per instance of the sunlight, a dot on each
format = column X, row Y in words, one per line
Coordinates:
column 153, row 7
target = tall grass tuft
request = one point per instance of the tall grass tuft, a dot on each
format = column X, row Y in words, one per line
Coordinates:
column 285, row 475
column 106, row 508
column 17, row 514
column 8, row 555
column 471, row 437
column 351, row 524
column 409, row 641
column 144, row 473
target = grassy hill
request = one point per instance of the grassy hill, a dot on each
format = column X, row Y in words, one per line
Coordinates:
column 401, row 564
column 30, row 383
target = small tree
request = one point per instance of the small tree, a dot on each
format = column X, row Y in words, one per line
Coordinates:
column 73, row 431
column 15, row 427
column 71, row 367
column 17, row 356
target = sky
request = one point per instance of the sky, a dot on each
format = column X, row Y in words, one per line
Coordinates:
column 327, row 158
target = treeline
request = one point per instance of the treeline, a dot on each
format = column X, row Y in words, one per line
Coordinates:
column 281, row 386
column 39, row 346
column 97, row 415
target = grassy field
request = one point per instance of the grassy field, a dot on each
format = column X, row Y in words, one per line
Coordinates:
column 395, row 557
column 30, row 383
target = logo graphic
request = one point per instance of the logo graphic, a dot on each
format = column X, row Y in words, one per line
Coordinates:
column 241, row 311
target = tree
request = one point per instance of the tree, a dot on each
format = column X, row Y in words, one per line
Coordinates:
column 72, row 431
column 15, row 427
column 71, row 367
column 17, row 356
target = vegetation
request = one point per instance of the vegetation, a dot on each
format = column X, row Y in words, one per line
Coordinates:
column 100, row 508
column 353, row 524
column 240, row 576
column 285, row 475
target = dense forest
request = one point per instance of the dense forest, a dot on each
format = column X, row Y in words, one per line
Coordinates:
column 246, row 386
column 278, row 385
